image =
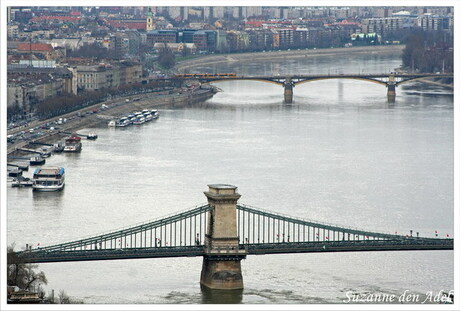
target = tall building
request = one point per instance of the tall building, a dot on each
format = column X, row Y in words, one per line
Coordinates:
column 383, row 25
column 430, row 22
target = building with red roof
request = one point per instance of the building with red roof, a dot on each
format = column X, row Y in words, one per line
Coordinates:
column 127, row 24
column 35, row 47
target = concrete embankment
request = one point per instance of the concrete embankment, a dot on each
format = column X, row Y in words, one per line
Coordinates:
column 280, row 55
column 116, row 108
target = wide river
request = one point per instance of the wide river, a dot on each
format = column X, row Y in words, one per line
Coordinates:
column 339, row 154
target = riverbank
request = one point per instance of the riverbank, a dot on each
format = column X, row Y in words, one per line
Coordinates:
column 293, row 54
column 86, row 118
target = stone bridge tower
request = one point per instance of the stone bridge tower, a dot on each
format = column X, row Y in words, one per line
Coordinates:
column 222, row 261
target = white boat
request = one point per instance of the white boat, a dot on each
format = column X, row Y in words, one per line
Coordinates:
column 112, row 123
column 155, row 113
column 48, row 179
column 139, row 121
column 148, row 116
column 123, row 122
column 72, row 144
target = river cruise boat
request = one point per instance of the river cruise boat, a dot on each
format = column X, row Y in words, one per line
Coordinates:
column 123, row 122
column 48, row 179
column 72, row 144
column 155, row 113
column 139, row 120
column 37, row 160
column 148, row 116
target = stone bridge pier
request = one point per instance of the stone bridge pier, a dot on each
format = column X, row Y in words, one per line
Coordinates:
column 222, row 260
column 391, row 88
column 288, row 90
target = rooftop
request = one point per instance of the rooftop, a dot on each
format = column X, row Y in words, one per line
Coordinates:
column 222, row 186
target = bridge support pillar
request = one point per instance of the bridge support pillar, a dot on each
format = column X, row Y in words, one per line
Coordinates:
column 221, row 274
column 222, row 261
column 391, row 89
column 288, row 91
column 391, row 92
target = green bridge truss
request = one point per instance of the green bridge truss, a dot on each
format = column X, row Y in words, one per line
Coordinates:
column 259, row 232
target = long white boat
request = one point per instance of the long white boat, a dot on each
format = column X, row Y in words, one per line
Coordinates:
column 48, row 179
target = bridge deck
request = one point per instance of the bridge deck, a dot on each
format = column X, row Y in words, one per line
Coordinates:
column 38, row 256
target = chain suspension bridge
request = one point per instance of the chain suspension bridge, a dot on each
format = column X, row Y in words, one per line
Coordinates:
column 224, row 232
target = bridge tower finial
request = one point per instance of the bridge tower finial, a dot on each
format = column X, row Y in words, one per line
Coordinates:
column 222, row 260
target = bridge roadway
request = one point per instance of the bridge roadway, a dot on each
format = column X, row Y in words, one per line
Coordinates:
column 43, row 256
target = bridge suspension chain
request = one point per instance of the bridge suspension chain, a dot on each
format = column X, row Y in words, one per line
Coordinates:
column 186, row 228
column 257, row 226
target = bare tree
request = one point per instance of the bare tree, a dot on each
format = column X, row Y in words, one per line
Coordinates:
column 21, row 274
column 166, row 57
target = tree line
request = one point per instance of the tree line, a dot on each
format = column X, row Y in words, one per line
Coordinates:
column 428, row 51
column 65, row 103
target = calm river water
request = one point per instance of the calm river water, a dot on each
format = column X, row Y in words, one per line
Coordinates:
column 339, row 154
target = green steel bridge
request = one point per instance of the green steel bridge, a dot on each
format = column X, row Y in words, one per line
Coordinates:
column 259, row 232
